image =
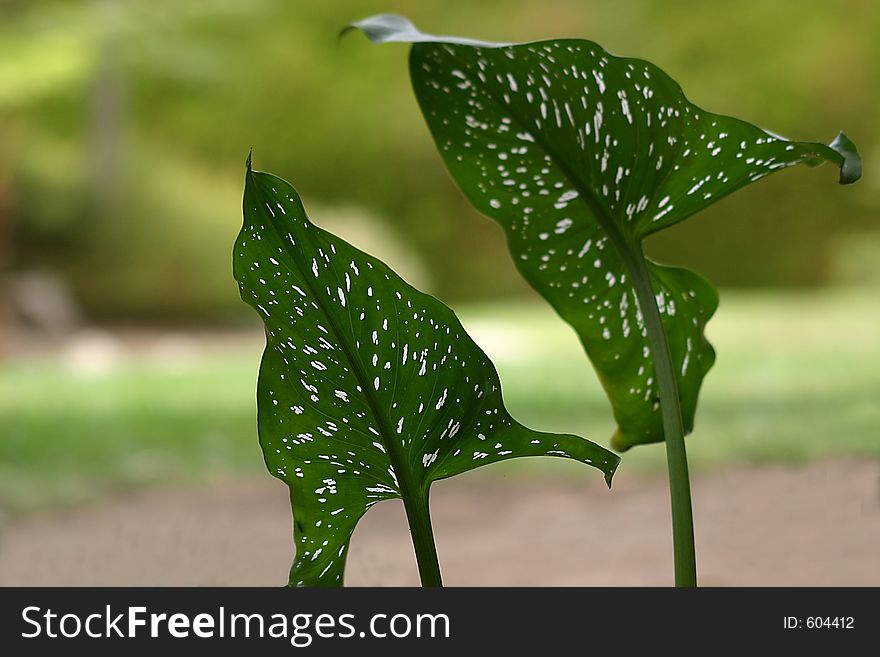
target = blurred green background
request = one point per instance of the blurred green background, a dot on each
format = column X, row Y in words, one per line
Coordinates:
column 124, row 126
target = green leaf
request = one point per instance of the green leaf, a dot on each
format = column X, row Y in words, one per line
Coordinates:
column 580, row 155
column 369, row 389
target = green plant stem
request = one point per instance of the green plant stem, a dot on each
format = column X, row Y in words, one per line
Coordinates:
column 419, row 517
column 670, row 406
column 415, row 498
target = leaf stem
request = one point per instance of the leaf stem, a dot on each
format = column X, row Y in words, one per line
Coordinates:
column 419, row 517
column 670, row 406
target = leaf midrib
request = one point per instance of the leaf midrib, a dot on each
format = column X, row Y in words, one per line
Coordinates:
column 628, row 252
column 405, row 485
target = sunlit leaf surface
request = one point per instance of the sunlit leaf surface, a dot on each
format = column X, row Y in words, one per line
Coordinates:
column 579, row 155
column 368, row 389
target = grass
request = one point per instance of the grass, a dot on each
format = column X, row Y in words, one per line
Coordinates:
column 796, row 379
column 69, row 436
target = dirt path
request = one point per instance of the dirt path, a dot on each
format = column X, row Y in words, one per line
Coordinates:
column 815, row 525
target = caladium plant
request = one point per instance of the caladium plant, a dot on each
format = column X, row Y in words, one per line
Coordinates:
column 580, row 155
column 368, row 390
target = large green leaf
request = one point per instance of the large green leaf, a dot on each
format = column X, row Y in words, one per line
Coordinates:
column 368, row 389
column 579, row 155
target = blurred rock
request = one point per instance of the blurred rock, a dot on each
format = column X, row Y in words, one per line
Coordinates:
column 41, row 302
column 93, row 352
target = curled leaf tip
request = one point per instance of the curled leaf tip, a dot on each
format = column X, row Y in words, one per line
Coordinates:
column 383, row 28
column 851, row 168
column 345, row 30
column 387, row 28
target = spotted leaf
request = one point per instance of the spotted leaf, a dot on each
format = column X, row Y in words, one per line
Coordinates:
column 580, row 155
column 368, row 389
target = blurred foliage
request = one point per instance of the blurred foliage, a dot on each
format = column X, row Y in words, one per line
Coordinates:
column 124, row 125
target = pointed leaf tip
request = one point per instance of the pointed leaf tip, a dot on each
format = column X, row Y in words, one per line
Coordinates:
column 851, row 168
column 609, row 475
column 248, row 161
